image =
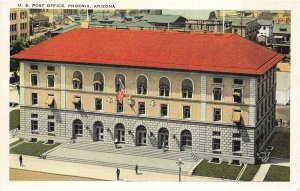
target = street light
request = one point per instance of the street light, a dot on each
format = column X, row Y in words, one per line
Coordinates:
column 179, row 163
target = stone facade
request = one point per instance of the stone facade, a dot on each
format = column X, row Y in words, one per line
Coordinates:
column 202, row 134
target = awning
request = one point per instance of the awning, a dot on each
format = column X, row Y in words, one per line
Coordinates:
column 278, row 37
column 236, row 94
column 76, row 79
column 236, row 117
column 76, row 100
column 50, row 100
column 97, row 82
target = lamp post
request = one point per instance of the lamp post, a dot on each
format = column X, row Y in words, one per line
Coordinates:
column 179, row 163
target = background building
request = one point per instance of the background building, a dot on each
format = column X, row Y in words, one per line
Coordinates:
column 19, row 24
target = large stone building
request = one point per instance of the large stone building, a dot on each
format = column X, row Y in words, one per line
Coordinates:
column 210, row 94
column 19, row 24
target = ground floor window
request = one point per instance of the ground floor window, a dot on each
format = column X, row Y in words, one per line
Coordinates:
column 77, row 125
column 186, row 139
column 34, row 125
column 50, row 126
column 216, row 144
column 236, row 146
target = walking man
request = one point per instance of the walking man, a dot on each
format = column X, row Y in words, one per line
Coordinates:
column 118, row 173
column 21, row 160
column 136, row 169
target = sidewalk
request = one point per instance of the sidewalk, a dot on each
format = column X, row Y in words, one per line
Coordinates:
column 262, row 171
column 97, row 172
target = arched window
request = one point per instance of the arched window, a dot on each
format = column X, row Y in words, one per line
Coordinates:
column 186, row 138
column 98, row 131
column 98, row 82
column 77, row 80
column 187, row 88
column 164, row 86
column 163, row 138
column 77, row 128
column 141, row 85
column 120, row 82
column 119, row 133
column 141, row 135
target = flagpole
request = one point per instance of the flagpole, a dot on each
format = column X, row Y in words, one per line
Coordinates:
column 223, row 21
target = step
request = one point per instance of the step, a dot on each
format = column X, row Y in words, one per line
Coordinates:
column 115, row 165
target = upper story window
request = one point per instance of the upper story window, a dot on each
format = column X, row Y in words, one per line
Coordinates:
column 186, row 112
column 50, row 81
column 164, row 110
column 13, row 27
column 98, row 82
column 34, row 79
column 120, row 82
column 187, row 88
column 217, row 114
column 120, row 107
column 98, row 104
column 142, row 108
column 34, row 98
column 23, row 15
column 34, row 67
column 141, row 85
column 164, row 87
column 218, row 80
column 238, row 81
column 23, row 26
column 77, row 102
column 217, row 94
column 237, row 95
column 77, row 80
column 51, row 68
column 13, row 16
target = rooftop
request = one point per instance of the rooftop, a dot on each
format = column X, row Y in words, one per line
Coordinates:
column 161, row 18
column 189, row 51
column 282, row 28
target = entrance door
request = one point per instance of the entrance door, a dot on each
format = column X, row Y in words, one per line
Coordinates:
column 141, row 135
column 120, row 133
column 163, row 138
column 98, row 131
column 186, row 140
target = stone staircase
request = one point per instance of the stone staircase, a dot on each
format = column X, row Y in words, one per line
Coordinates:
column 137, row 151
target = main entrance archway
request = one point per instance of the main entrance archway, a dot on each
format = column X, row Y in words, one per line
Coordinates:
column 163, row 137
column 98, row 131
column 120, row 133
column 186, row 140
column 141, row 136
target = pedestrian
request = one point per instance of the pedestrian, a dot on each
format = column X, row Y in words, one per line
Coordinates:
column 116, row 143
column 118, row 173
column 21, row 160
column 136, row 169
column 164, row 146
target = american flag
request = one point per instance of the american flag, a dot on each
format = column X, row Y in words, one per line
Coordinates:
column 121, row 92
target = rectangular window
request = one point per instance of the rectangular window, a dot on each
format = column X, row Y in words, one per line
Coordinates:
column 186, row 112
column 50, row 116
column 34, row 79
column 218, row 80
column 238, row 81
column 51, row 68
column 77, row 102
column 217, row 94
column 119, row 107
column 163, row 110
column 237, row 95
column 13, row 37
column 216, row 133
column 13, row 27
column 216, row 144
column 34, row 125
column 34, row 115
column 34, row 98
column 217, row 114
column 23, row 15
column 98, row 104
column 23, row 35
column 236, row 135
column 23, row 26
column 34, row 67
column 236, row 146
column 51, row 81
column 13, row 16
column 50, row 126
column 142, row 108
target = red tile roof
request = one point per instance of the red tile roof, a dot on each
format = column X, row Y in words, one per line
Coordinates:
column 225, row 53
